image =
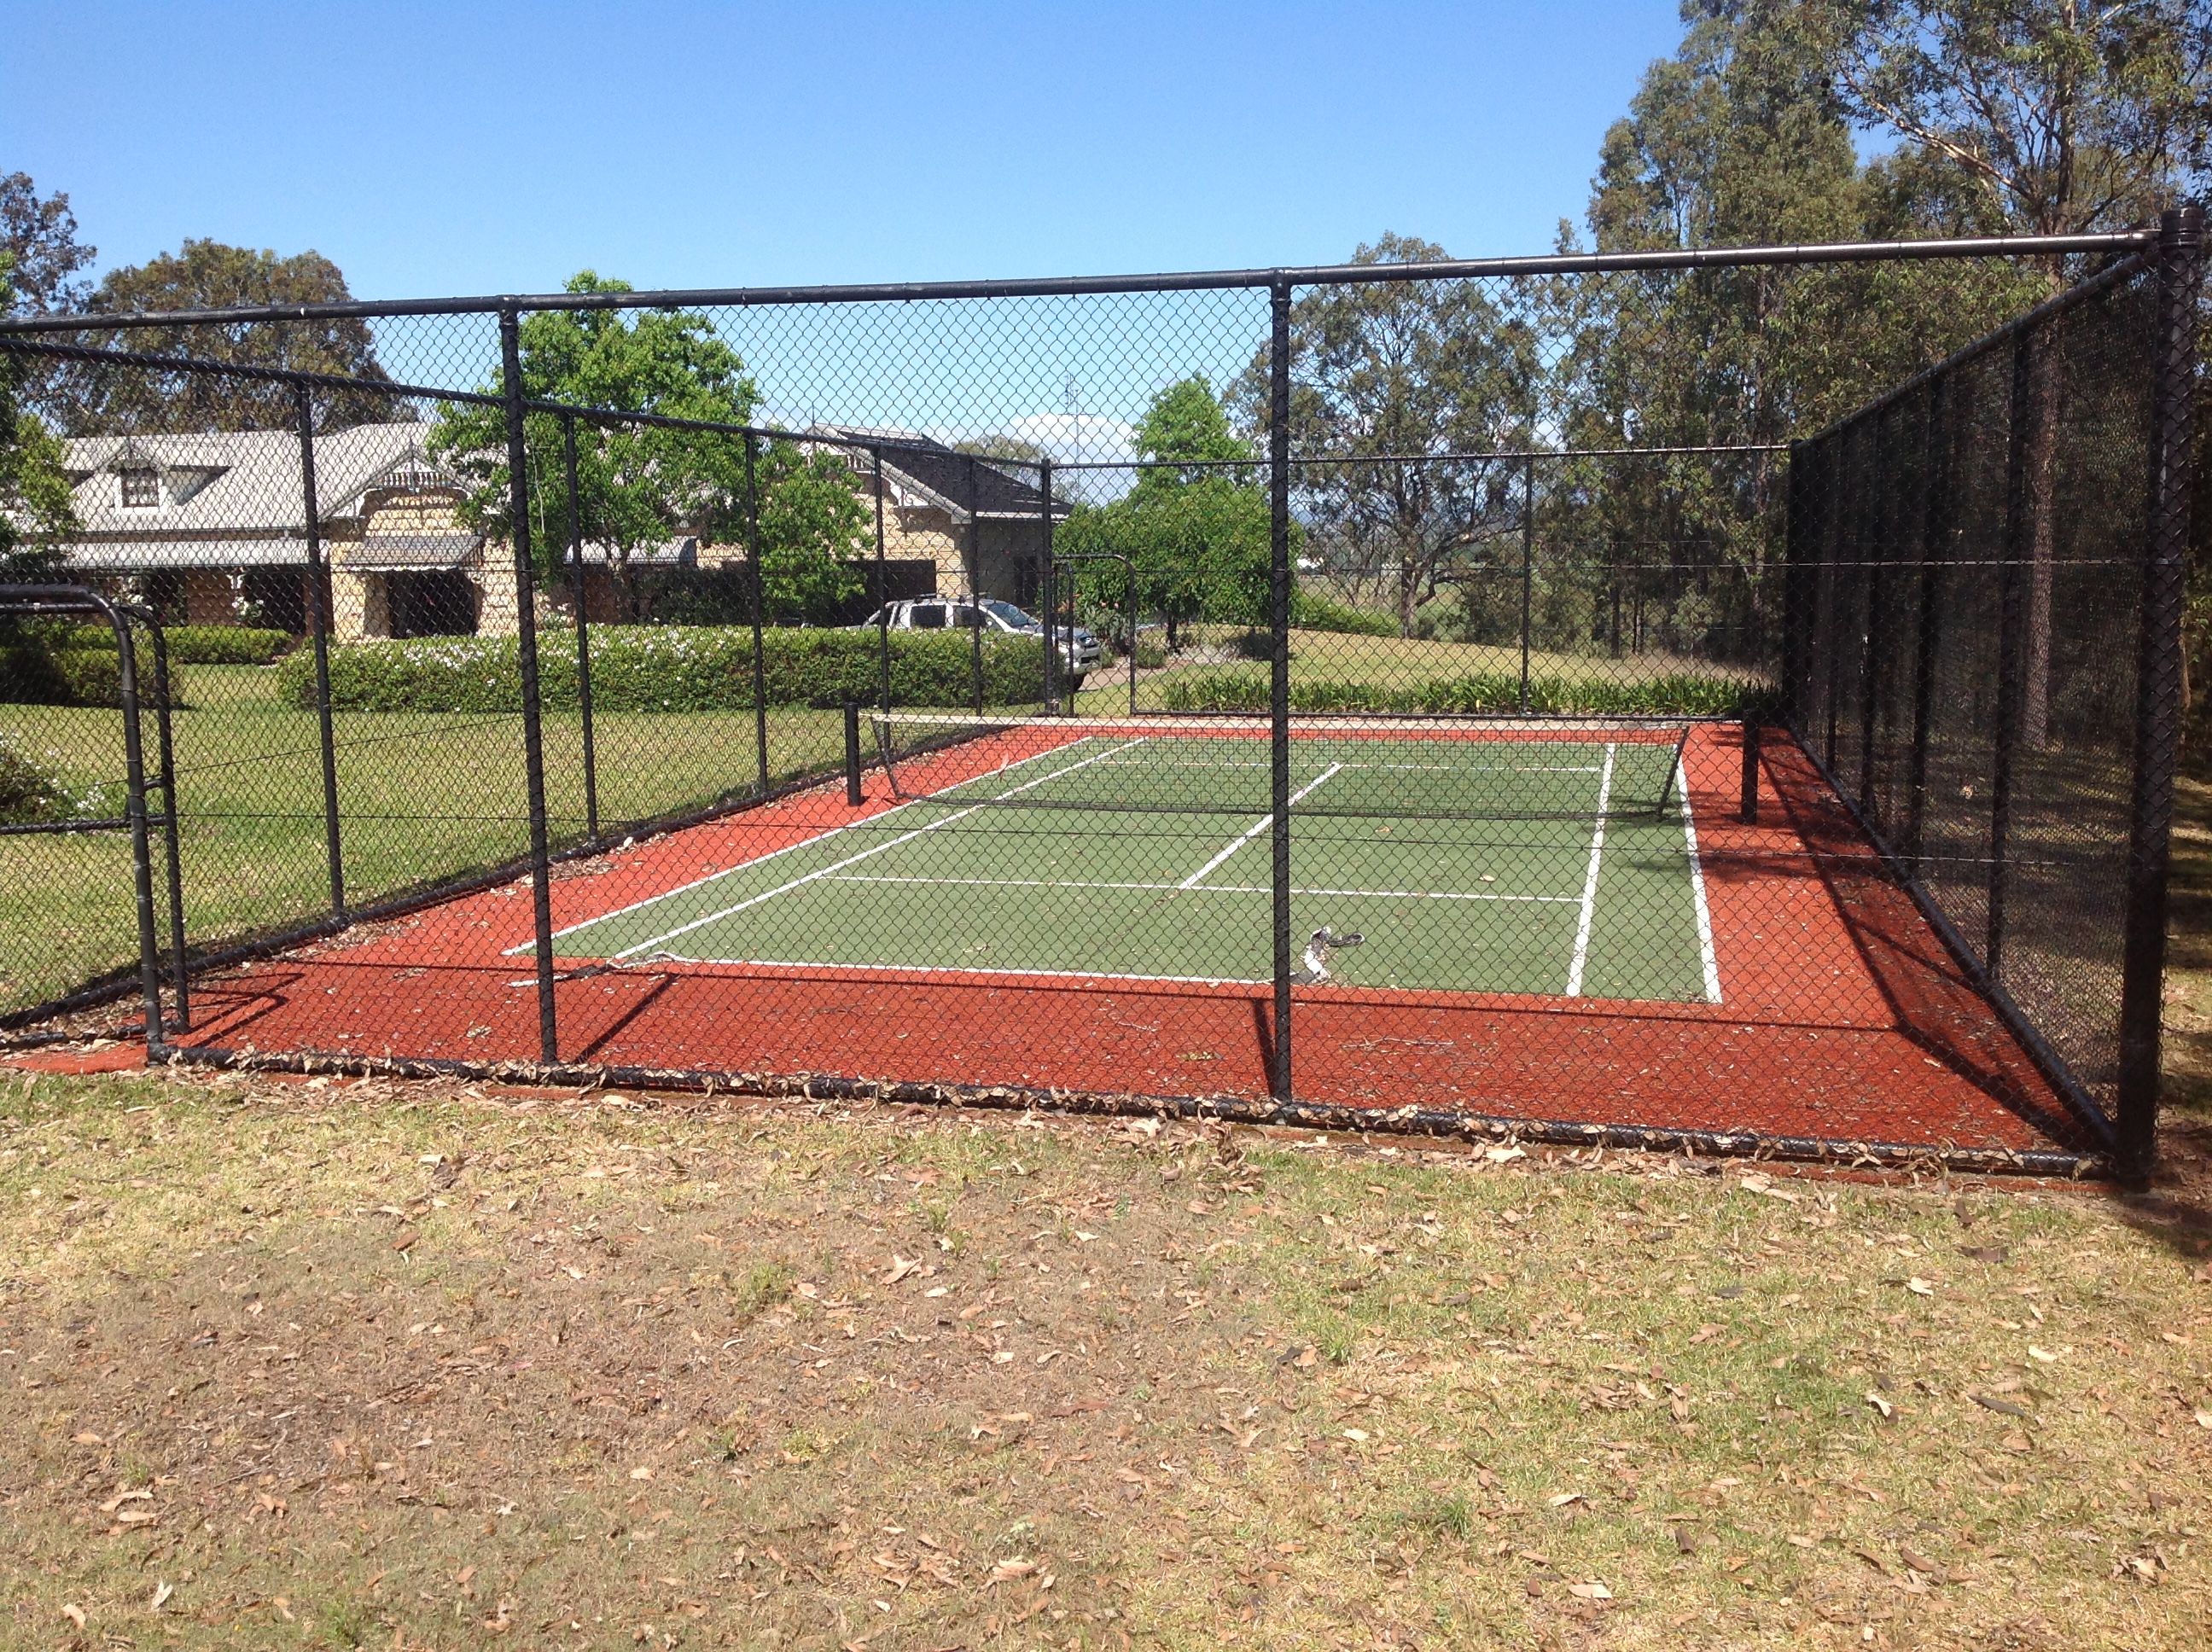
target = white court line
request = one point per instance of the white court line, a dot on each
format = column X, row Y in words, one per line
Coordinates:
column 1697, row 891
column 1590, row 882
column 1204, row 766
column 804, row 843
column 1203, row 888
column 854, row 860
column 1256, row 827
column 966, row 969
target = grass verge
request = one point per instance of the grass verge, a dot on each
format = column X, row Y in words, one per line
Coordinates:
column 334, row 1365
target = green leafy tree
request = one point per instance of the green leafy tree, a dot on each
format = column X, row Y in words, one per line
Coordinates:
column 1380, row 372
column 1197, row 539
column 638, row 485
column 38, row 238
column 91, row 399
column 36, row 508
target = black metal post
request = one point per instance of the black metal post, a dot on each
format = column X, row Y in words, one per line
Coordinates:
column 319, row 628
column 883, row 588
column 1527, row 569
column 141, row 855
column 1934, row 545
column 760, row 645
column 2012, row 619
column 852, row 752
column 2158, row 686
column 1874, row 556
column 1279, row 701
column 525, row 632
column 1747, row 797
column 165, row 753
column 1794, row 569
column 580, row 586
column 1045, row 588
column 974, row 588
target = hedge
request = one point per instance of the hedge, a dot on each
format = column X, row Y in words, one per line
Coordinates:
column 1676, row 693
column 33, row 675
column 669, row 668
column 199, row 645
column 1311, row 611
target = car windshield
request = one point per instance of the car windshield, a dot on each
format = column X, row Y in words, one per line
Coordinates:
column 1011, row 615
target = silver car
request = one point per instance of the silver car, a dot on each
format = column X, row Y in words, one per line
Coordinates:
column 1079, row 649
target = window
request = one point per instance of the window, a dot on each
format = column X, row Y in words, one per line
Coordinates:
column 929, row 616
column 141, row 488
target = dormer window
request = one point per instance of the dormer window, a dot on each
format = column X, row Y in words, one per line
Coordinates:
column 141, row 488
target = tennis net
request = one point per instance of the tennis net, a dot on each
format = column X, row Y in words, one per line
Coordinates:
column 1438, row 769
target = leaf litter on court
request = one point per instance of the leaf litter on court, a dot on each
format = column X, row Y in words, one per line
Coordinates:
column 380, row 1365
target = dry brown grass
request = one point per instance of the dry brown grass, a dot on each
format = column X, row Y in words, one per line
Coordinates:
column 375, row 1365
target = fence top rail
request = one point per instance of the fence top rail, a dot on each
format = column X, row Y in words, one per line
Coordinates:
column 1556, row 264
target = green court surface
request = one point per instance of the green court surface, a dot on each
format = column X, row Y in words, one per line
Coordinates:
column 1551, row 866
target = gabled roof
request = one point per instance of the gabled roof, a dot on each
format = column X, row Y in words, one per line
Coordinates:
column 930, row 471
column 241, row 482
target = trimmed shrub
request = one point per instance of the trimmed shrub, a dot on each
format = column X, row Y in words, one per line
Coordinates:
column 1311, row 611
column 671, row 668
column 1491, row 693
column 30, row 793
column 198, row 645
column 31, row 675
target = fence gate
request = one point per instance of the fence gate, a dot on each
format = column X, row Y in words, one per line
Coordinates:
column 82, row 800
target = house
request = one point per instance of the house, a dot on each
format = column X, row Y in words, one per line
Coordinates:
column 209, row 528
column 937, row 499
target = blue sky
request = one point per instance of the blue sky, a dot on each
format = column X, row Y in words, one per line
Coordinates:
column 474, row 148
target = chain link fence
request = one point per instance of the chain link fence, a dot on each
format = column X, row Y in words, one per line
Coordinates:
column 1456, row 698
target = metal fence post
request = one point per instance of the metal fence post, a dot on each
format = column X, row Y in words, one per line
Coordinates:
column 1934, row 536
column 1794, row 569
column 1874, row 635
column 1045, row 588
column 165, row 751
column 883, row 588
column 318, row 626
column 975, row 587
column 525, row 631
column 760, row 644
column 579, row 589
column 2157, row 685
column 142, row 848
column 1527, row 569
column 1278, row 699
column 2011, row 609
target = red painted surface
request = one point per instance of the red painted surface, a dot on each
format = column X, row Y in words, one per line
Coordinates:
column 1843, row 1017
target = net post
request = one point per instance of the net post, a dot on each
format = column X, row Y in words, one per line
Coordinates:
column 580, row 594
column 974, row 590
column 883, row 586
column 1279, row 743
column 852, row 752
column 753, row 578
column 525, row 627
column 1747, row 783
column 1935, row 534
column 2158, row 686
column 1046, row 588
column 319, row 636
column 2016, row 551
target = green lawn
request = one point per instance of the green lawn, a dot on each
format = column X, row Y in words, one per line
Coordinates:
column 421, row 796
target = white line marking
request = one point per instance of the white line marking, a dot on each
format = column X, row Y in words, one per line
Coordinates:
column 1256, row 827
column 854, row 860
column 1706, row 954
column 971, row 969
column 1589, row 881
column 806, row 842
column 1203, row 889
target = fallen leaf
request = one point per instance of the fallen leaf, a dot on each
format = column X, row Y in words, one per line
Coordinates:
column 1919, row 1287
column 1007, row 1571
column 1879, row 1403
column 1561, row 1499
column 1590, row 1591
column 2009, row 1408
column 901, row 1266
column 1991, row 1253
column 162, row 1591
column 74, row 1612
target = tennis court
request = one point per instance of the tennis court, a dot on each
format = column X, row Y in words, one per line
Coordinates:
column 1553, row 861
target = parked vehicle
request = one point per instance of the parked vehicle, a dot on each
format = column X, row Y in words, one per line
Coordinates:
column 1079, row 650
